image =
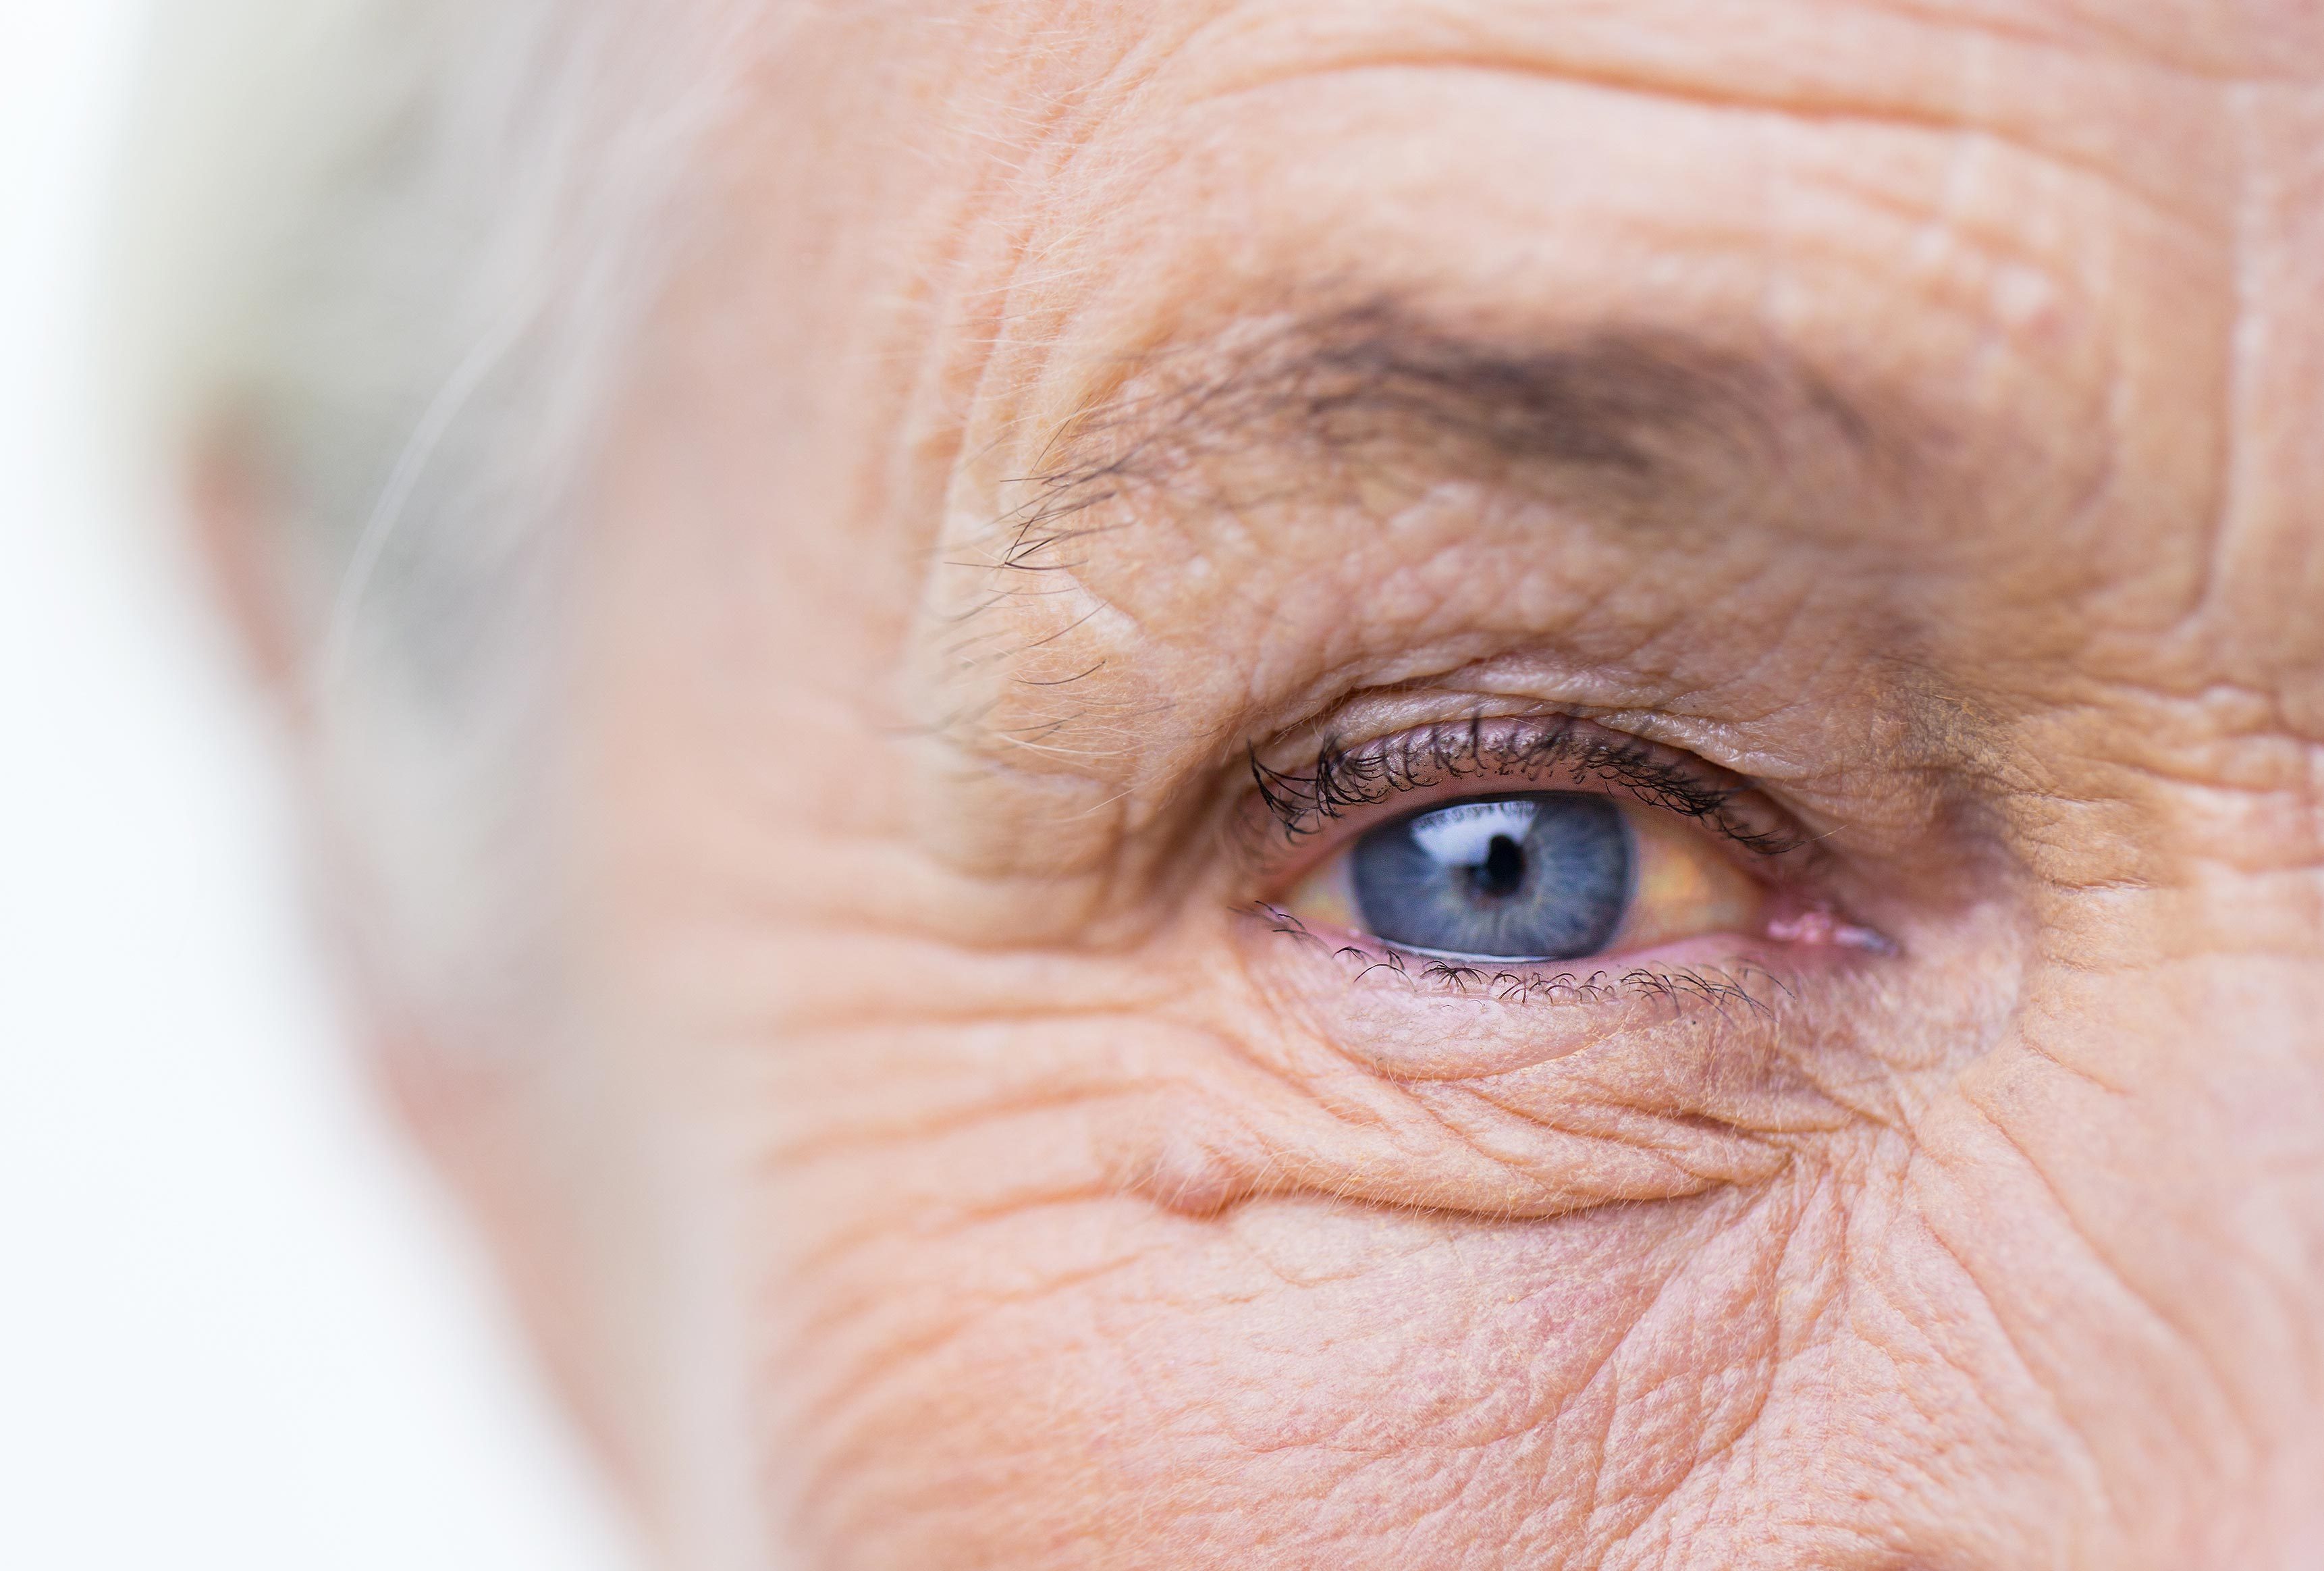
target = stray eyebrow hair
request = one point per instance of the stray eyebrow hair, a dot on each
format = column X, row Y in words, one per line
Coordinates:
column 1640, row 419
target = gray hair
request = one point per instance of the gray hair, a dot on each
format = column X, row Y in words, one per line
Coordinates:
column 385, row 250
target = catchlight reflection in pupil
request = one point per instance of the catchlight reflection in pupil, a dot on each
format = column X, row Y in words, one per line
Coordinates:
column 1542, row 876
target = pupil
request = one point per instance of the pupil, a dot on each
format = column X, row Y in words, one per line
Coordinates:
column 1503, row 869
column 1540, row 875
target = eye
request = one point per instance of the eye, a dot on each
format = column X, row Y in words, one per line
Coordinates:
column 1536, row 875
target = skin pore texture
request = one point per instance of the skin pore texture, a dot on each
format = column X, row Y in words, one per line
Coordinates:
column 1899, row 412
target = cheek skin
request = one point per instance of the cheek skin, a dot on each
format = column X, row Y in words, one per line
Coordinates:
column 987, row 1349
column 996, row 1335
column 1213, row 1393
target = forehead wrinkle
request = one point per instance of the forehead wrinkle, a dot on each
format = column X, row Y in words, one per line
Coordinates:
column 1944, row 69
column 2189, row 39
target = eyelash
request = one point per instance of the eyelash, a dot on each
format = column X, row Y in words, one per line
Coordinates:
column 1524, row 983
column 1346, row 780
column 1350, row 781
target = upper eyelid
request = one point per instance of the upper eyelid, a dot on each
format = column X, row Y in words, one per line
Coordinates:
column 1347, row 779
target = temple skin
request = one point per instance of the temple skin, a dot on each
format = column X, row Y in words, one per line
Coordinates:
column 927, row 1160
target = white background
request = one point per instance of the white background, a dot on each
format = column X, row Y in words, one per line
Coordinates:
column 238, row 1328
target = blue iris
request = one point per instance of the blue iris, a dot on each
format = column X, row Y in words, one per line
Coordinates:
column 1544, row 876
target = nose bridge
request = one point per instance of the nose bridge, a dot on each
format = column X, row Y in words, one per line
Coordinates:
column 2280, row 1526
column 2232, row 1087
column 2266, row 551
column 2160, row 1099
column 2160, row 1152
column 2244, row 840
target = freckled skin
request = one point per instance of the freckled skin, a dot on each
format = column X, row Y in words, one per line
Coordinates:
column 939, row 1169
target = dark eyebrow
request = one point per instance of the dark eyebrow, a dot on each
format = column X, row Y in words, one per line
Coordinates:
column 1636, row 416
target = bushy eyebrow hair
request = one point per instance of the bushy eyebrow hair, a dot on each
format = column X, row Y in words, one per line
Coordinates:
column 1628, row 412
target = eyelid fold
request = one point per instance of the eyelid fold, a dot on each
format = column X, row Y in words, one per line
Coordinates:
column 1371, row 781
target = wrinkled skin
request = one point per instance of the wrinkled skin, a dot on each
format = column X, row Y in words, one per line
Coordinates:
column 938, row 1164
